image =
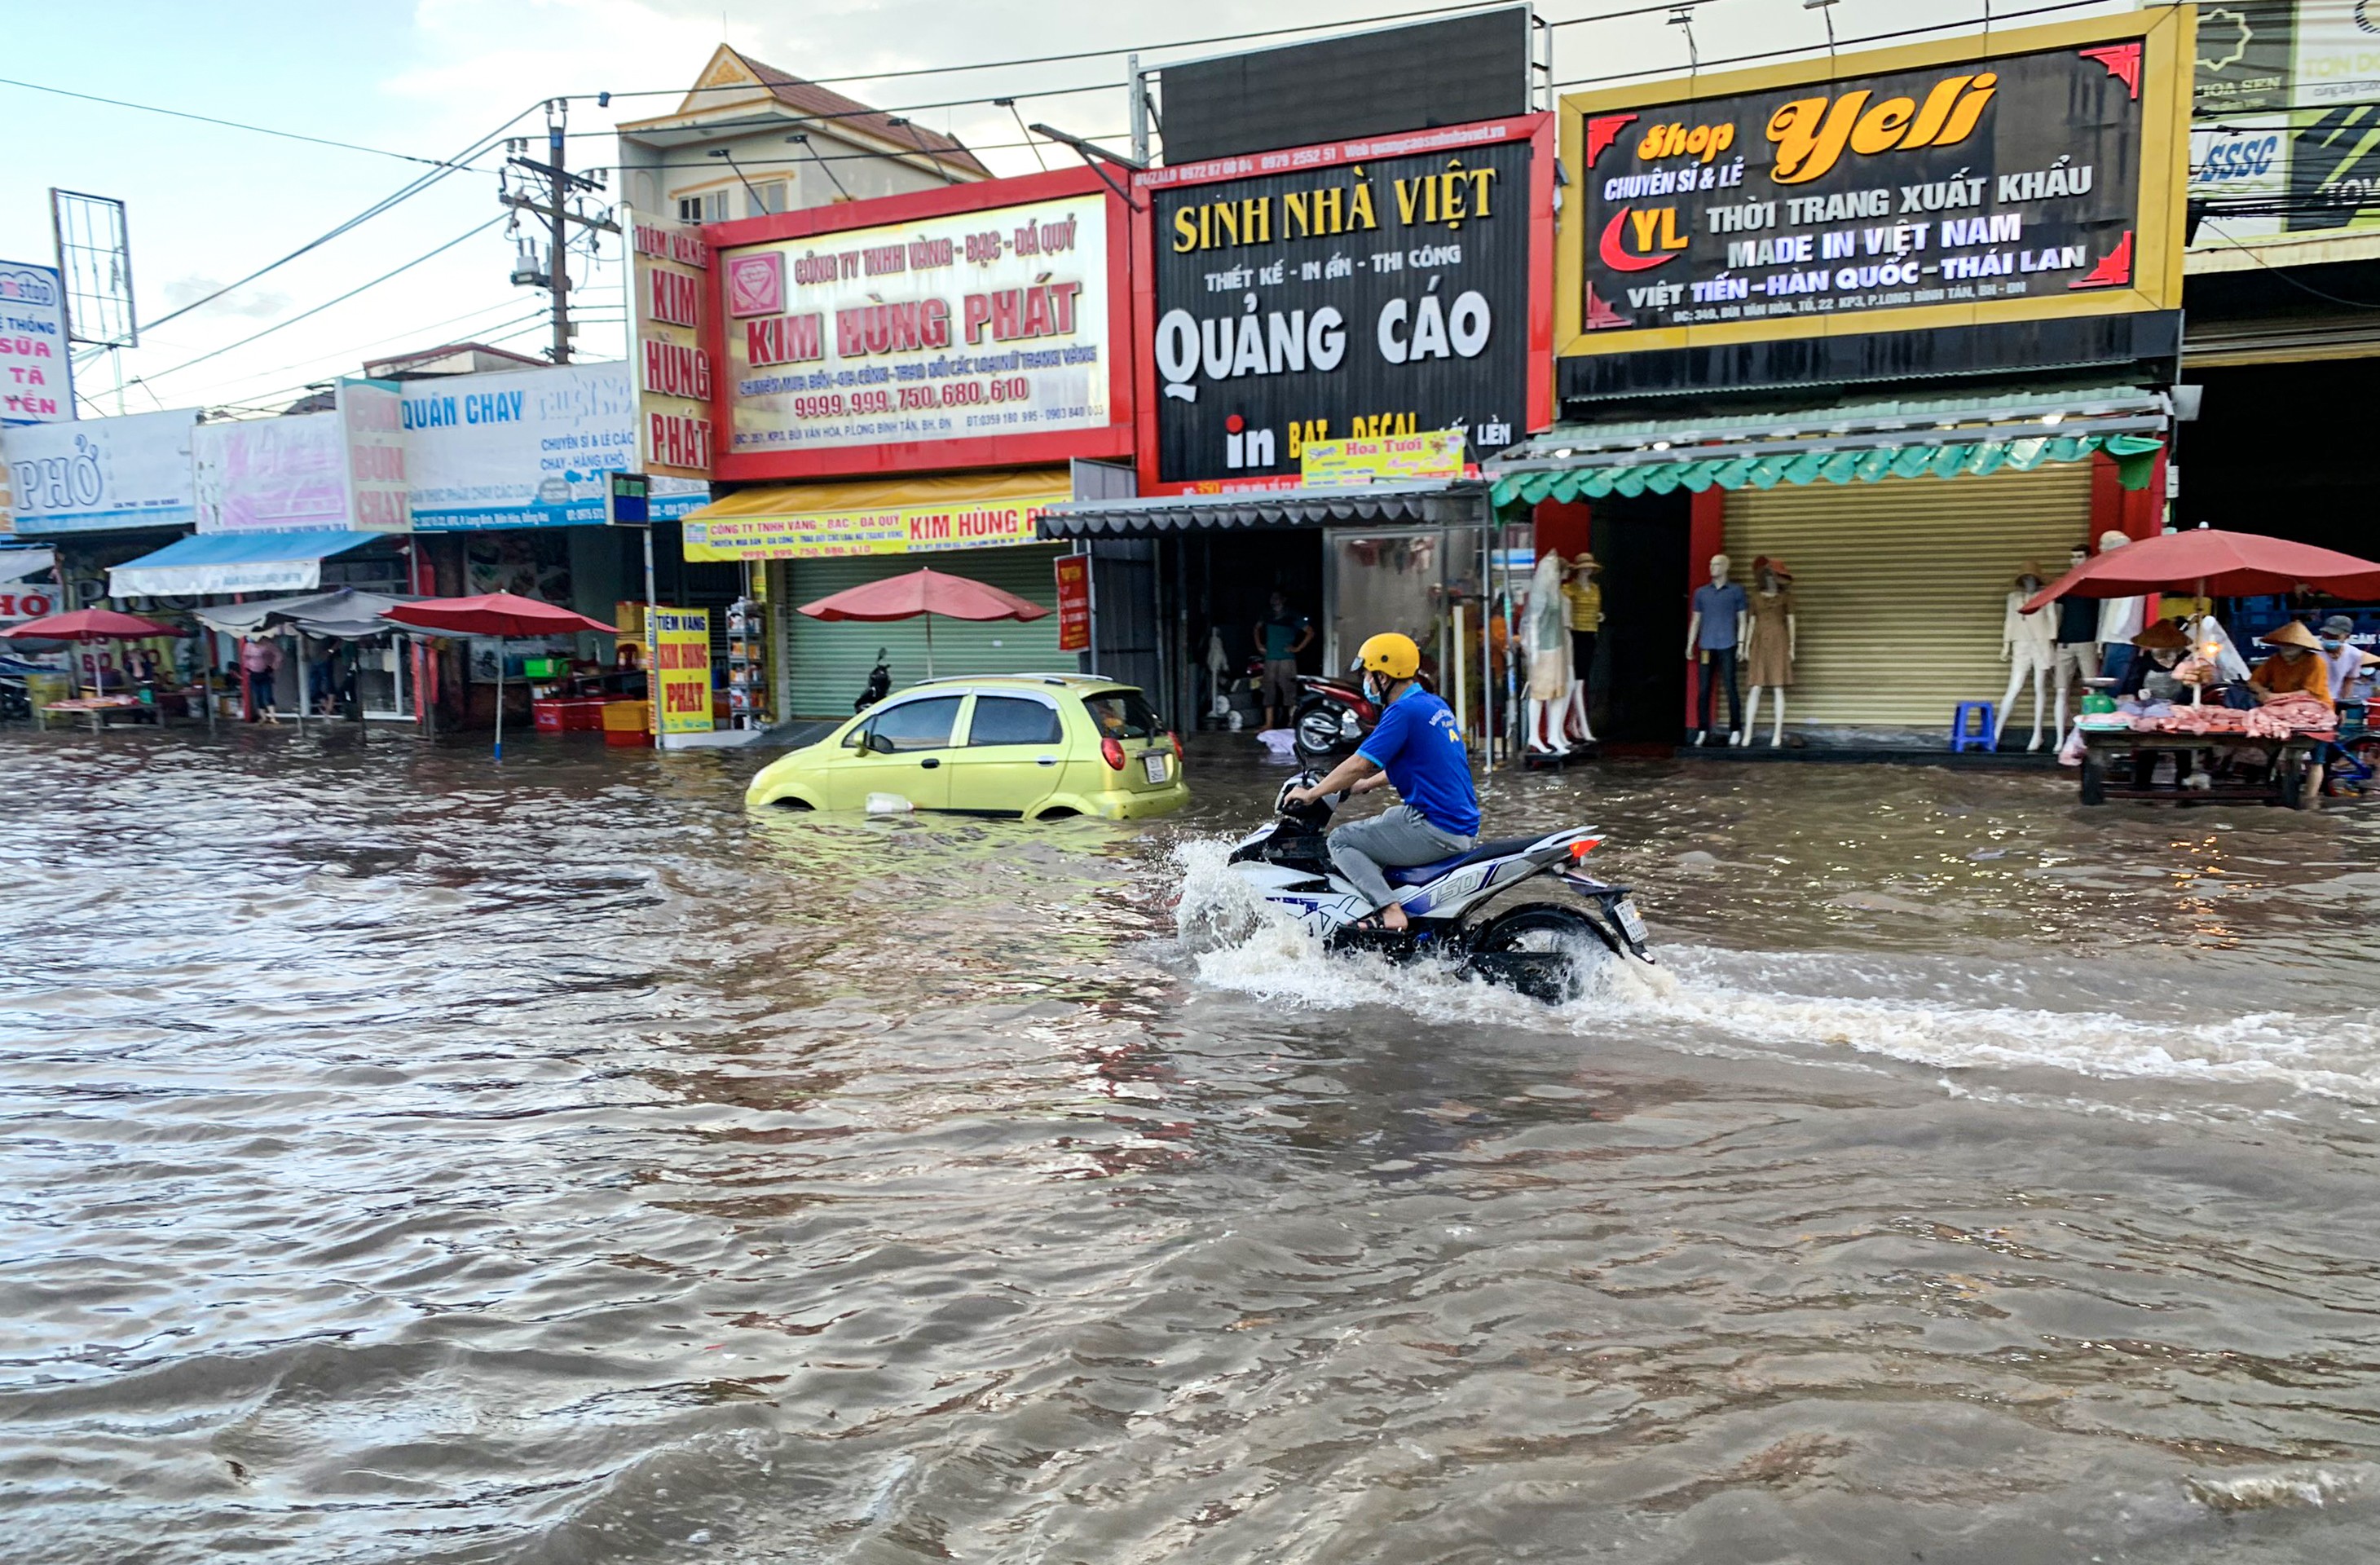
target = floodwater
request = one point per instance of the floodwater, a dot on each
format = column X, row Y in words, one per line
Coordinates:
column 403, row 1158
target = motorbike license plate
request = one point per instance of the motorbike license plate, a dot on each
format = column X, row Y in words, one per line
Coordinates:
column 1630, row 922
column 1153, row 768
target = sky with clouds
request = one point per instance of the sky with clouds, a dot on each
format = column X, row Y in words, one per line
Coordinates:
column 426, row 79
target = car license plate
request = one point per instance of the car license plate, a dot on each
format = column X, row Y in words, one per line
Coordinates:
column 1154, row 766
column 1630, row 923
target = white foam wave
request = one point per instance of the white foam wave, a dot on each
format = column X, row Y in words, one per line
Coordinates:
column 1236, row 943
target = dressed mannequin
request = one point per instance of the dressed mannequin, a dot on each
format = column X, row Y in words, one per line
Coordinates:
column 1218, row 674
column 1715, row 632
column 1584, row 595
column 2028, row 643
column 2121, row 619
column 1546, row 634
column 1772, row 646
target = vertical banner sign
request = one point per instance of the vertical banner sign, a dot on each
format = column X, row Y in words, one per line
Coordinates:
column 36, row 382
column 1366, row 288
column 667, row 285
column 372, row 415
column 681, row 671
column 1074, row 603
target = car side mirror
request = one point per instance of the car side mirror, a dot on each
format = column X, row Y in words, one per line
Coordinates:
column 856, row 740
column 878, row 744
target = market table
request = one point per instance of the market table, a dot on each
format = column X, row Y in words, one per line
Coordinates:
column 101, row 709
column 2278, row 777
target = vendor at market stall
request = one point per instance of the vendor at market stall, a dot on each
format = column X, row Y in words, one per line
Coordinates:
column 2158, row 650
column 2296, row 667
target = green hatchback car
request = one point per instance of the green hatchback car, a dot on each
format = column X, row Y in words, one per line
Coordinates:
column 1035, row 746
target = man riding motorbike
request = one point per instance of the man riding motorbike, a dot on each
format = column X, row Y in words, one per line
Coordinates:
column 1415, row 748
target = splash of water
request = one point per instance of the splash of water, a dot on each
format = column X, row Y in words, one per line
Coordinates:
column 1238, row 943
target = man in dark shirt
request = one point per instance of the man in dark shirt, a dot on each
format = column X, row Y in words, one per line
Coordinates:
column 1281, row 637
column 2075, row 655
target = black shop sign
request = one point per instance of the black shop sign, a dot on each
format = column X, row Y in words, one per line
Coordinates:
column 1368, row 297
column 2010, row 179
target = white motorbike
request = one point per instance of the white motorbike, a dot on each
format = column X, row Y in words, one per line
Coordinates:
column 1537, row 947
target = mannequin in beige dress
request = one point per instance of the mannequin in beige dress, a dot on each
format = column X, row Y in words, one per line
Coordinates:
column 1774, row 645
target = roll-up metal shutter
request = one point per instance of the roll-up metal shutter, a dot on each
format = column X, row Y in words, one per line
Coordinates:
column 1900, row 586
column 825, row 663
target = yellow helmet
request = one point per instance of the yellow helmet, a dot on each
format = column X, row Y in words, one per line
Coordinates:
column 1389, row 653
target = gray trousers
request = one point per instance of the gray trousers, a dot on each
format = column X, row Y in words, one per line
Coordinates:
column 1394, row 839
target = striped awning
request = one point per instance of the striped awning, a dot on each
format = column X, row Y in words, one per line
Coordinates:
column 2136, row 459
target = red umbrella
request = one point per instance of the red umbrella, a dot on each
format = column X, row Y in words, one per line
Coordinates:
column 2207, row 560
column 88, row 624
column 494, row 613
column 499, row 615
column 926, row 593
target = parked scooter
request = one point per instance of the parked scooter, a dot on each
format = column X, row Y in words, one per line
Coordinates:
column 879, row 681
column 1332, row 718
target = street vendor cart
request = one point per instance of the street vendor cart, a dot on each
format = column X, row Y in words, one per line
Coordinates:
column 2213, row 757
column 2124, row 764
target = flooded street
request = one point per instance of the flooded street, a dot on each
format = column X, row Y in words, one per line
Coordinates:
column 406, row 1159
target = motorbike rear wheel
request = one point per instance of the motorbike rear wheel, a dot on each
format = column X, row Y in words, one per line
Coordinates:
column 1319, row 736
column 1540, row 949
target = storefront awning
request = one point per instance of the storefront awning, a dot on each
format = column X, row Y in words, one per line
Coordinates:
column 1851, row 442
column 1430, row 505
column 235, row 562
column 906, row 515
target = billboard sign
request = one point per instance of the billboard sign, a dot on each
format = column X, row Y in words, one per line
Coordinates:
column 880, row 529
column 957, row 326
column 526, row 448
column 2037, row 174
column 100, row 474
column 1387, row 287
column 670, row 292
column 36, row 379
column 272, row 475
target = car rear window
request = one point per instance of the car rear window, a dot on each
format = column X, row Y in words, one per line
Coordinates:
column 1123, row 715
column 915, row 725
column 1013, row 719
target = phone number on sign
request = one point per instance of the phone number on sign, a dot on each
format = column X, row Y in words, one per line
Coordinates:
column 953, row 394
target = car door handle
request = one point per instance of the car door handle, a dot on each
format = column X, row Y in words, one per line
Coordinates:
column 1045, row 760
column 930, row 762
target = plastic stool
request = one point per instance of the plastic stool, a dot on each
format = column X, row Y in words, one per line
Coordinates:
column 1961, row 739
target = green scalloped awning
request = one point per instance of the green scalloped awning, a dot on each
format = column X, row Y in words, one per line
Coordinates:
column 2135, row 457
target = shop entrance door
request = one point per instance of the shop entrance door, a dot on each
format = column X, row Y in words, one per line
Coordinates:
column 1642, row 545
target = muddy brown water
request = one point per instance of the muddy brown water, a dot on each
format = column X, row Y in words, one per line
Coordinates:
column 406, row 1158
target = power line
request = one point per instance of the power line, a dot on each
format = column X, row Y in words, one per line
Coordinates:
column 240, row 382
column 210, row 119
column 278, row 325
column 405, row 193
column 1079, row 54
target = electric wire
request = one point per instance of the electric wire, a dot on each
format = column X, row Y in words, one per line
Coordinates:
column 279, row 325
column 212, row 119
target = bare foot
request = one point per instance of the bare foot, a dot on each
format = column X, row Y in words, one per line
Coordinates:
column 1393, row 920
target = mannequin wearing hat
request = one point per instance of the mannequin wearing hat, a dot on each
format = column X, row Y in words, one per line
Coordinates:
column 1770, row 646
column 2075, row 646
column 1546, row 634
column 2121, row 619
column 1584, row 595
column 2028, row 643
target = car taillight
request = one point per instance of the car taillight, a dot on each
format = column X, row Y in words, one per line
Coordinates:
column 1112, row 753
column 1177, row 746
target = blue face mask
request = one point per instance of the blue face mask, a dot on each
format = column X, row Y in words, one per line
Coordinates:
column 2330, row 643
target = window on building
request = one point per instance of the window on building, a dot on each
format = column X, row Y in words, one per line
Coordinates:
column 706, row 206
column 762, row 199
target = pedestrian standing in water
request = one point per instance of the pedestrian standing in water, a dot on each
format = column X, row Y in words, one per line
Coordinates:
column 1279, row 638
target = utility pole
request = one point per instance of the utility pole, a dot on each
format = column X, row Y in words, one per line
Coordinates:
column 1139, row 109
column 560, row 184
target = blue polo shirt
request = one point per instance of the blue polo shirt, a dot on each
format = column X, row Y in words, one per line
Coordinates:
column 1416, row 744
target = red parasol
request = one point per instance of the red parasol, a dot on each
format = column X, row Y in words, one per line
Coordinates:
column 89, row 624
column 926, row 593
column 499, row 615
column 2209, row 561
column 495, row 613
